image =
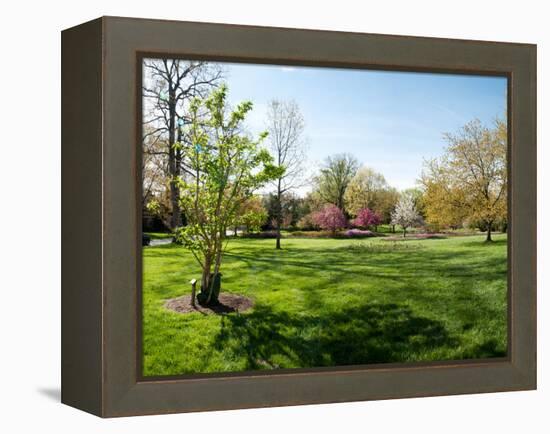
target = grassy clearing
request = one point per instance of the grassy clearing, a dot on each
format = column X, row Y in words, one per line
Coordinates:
column 159, row 235
column 326, row 302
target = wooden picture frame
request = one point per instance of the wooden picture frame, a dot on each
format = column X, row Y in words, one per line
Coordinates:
column 101, row 247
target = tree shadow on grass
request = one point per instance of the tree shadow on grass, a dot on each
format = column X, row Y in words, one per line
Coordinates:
column 370, row 333
column 480, row 243
column 405, row 265
column 487, row 349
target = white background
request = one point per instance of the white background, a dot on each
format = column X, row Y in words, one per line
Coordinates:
column 30, row 215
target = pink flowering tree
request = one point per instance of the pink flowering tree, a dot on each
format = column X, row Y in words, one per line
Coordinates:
column 366, row 218
column 330, row 218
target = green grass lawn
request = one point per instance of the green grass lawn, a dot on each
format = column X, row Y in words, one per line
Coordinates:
column 159, row 235
column 327, row 302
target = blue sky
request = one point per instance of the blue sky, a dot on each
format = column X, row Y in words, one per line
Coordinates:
column 391, row 121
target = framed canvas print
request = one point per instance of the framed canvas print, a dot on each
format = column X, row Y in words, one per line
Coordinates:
column 262, row 216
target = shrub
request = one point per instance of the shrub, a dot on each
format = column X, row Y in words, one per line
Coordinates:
column 178, row 239
column 307, row 223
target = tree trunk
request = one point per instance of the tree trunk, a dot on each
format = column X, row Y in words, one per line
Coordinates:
column 205, row 279
column 489, row 239
column 174, row 200
column 173, row 166
column 214, row 276
column 404, row 232
column 279, row 217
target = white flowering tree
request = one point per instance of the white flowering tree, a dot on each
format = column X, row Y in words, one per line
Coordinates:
column 405, row 213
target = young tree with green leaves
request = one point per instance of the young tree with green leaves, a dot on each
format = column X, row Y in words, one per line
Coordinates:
column 225, row 168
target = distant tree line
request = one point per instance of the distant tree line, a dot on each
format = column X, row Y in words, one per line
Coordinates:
column 465, row 187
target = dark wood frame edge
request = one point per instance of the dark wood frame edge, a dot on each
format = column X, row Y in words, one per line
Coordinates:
column 114, row 397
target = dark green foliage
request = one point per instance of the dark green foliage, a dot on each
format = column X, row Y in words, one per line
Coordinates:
column 293, row 208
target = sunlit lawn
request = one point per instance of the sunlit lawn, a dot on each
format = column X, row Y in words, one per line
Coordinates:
column 159, row 235
column 326, row 302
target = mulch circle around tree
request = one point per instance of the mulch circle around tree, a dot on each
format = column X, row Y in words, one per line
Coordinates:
column 228, row 303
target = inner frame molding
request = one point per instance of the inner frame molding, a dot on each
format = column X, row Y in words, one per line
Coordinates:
column 101, row 182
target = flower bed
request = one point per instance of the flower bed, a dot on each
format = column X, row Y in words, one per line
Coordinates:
column 350, row 233
column 359, row 233
column 412, row 237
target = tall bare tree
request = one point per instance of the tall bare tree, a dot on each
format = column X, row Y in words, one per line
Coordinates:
column 155, row 182
column 286, row 135
column 154, row 167
column 168, row 87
